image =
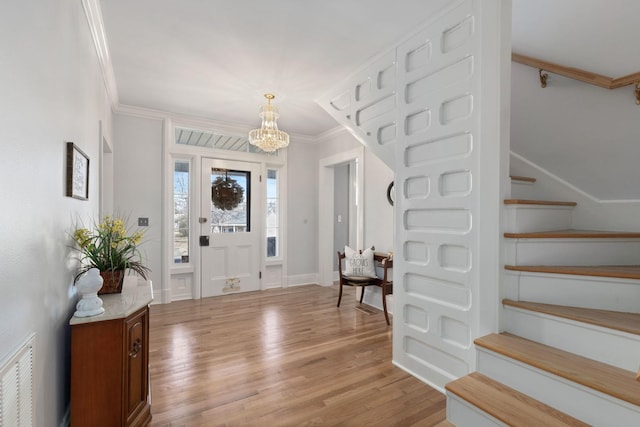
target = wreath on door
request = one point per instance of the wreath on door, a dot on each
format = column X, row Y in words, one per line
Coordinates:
column 226, row 193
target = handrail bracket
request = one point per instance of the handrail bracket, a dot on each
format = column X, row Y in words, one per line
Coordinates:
column 543, row 78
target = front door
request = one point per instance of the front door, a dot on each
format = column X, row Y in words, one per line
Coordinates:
column 230, row 227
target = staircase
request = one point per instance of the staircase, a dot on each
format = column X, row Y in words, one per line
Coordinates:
column 570, row 350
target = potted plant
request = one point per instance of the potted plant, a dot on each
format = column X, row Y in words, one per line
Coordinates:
column 112, row 249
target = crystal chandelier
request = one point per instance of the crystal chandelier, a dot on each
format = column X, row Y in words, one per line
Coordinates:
column 268, row 138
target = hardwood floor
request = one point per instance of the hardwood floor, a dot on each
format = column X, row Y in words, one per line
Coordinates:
column 282, row 357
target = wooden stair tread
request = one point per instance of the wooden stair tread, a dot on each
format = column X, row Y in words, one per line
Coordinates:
column 522, row 178
column 444, row 423
column 575, row 234
column 538, row 202
column 599, row 376
column 625, row 322
column 614, row 271
column 506, row 404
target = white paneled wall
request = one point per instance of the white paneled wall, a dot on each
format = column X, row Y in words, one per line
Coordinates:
column 366, row 104
column 437, row 162
column 418, row 107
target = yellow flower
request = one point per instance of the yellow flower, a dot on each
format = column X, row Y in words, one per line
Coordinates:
column 137, row 237
column 109, row 246
column 81, row 236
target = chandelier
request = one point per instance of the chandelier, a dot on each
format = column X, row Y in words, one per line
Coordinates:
column 268, row 138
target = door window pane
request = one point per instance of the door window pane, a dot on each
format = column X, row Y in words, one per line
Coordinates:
column 230, row 201
column 181, row 212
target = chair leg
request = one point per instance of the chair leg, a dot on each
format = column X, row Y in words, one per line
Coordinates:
column 340, row 295
column 362, row 293
column 384, row 305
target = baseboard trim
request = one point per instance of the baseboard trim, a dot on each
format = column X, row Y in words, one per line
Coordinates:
column 421, row 378
column 302, row 279
column 163, row 296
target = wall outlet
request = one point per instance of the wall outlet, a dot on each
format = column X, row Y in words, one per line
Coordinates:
column 143, row 222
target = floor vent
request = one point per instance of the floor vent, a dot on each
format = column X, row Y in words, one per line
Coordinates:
column 16, row 387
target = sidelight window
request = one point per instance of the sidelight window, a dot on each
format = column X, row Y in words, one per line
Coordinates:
column 273, row 214
column 181, row 212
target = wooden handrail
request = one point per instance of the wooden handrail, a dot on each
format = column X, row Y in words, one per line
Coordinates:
column 578, row 74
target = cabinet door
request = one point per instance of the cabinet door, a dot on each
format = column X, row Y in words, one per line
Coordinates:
column 96, row 374
column 136, row 364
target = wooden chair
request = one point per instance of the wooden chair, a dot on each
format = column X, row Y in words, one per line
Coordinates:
column 384, row 282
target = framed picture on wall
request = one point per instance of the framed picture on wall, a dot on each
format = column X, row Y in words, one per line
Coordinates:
column 77, row 173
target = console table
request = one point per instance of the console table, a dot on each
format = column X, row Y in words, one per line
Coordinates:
column 110, row 360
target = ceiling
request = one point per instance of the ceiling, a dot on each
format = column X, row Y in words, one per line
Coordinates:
column 215, row 59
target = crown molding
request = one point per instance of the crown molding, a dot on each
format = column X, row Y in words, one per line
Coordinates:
column 146, row 113
column 332, row 133
column 93, row 14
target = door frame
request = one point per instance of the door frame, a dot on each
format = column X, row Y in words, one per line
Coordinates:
column 105, row 179
column 325, row 208
column 191, row 273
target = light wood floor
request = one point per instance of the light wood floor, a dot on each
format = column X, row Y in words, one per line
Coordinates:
column 282, row 357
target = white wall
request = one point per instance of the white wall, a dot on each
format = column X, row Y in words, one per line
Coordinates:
column 590, row 213
column 337, row 141
column 302, row 208
column 341, row 204
column 52, row 92
column 582, row 144
column 586, row 135
column 378, row 224
column 138, row 192
column 378, row 217
column 138, row 182
column 378, row 213
column 138, row 142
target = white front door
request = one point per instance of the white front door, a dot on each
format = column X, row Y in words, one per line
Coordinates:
column 230, row 227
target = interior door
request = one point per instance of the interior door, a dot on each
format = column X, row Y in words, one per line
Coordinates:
column 230, row 227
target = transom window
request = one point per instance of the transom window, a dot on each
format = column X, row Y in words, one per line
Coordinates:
column 219, row 141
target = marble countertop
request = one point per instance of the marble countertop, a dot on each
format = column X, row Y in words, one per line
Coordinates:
column 136, row 293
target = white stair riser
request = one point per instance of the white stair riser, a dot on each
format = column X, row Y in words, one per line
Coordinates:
column 580, row 402
column 602, row 293
column 530, row 218
column 583, row 339
column 572, row 251
column 524, row 190
column 463, row 414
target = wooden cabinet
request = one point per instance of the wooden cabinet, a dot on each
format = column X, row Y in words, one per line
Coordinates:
column 109, row 366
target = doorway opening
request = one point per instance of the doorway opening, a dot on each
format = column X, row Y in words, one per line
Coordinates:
column 344, row 208
column 327, row 215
